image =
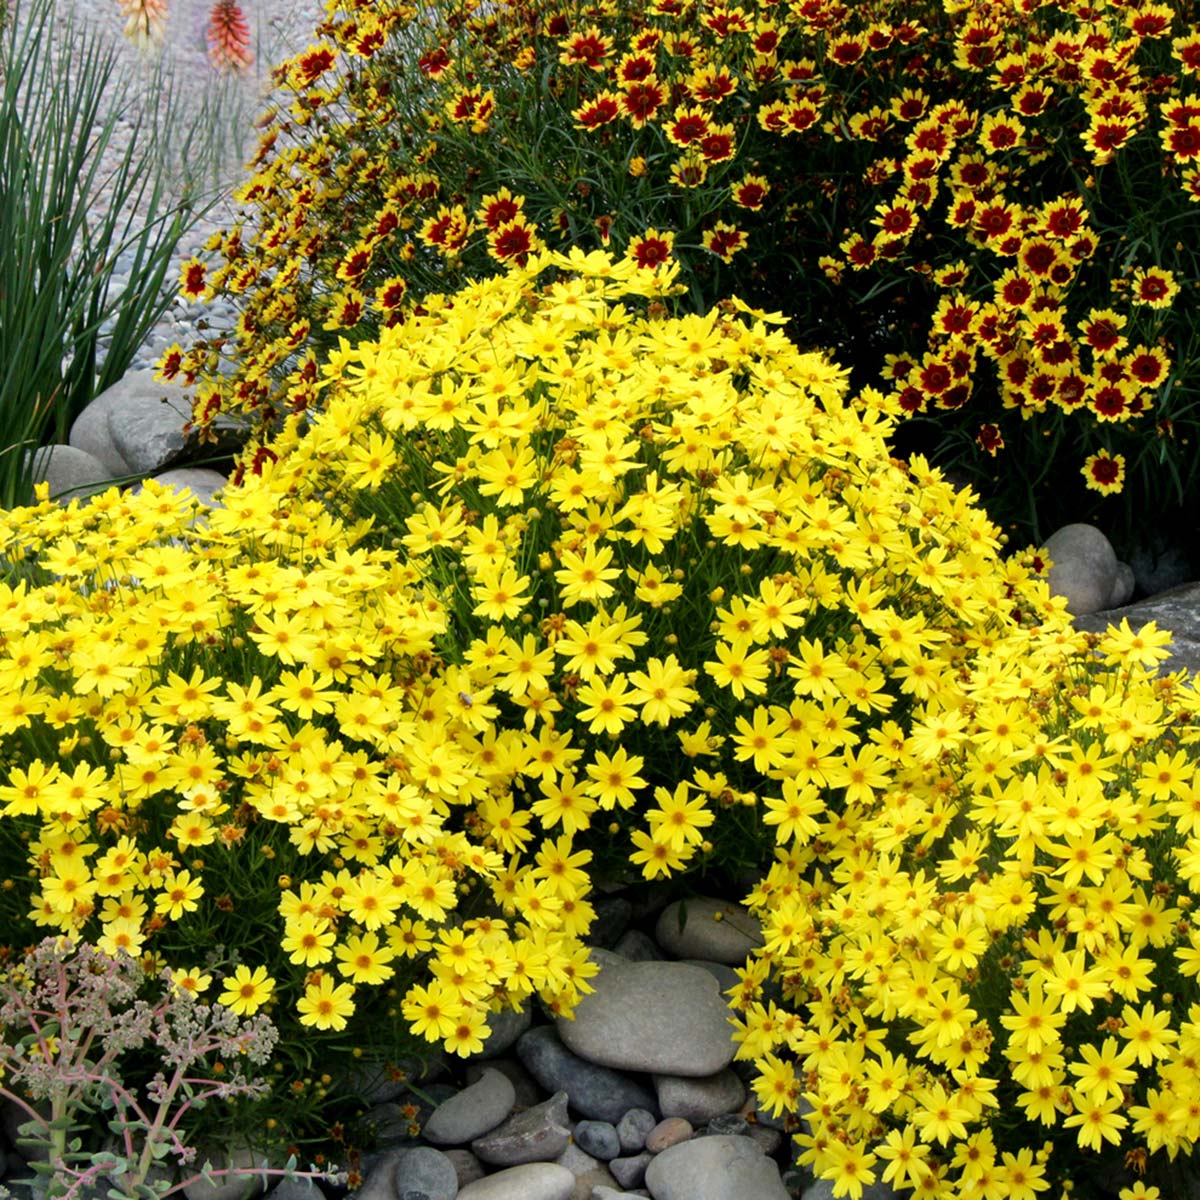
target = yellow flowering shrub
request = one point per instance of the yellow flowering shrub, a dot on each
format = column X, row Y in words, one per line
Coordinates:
column 555, row 587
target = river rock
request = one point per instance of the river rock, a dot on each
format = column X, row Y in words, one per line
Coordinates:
column 636, row 946
column 200, row 481
column 72, row 474
column 661, row 1017
column 1085, row 570
column 1159, row 564
column 1177, row 610
column 467, row 1168
column 472, row 1112
column 594, row 1091
column 822, row 1189
column 89, row 430
column 526, row 1087
column 699, row 1100
column 715, row 1168
column 242, row 1186
column 538, row 1134
column 598, row 1138
column 506, row 1026
column 668, row 1132
column 589, row 1172
column 296, row 1189
column 632, row 1129
column 704, row 927
column 531, row 1181
column 427, row 1171
column 724, row 974
column 630, row 1169
column 611, row 920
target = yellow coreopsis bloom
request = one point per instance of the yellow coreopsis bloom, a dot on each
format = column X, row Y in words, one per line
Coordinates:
column 246, row 991
column 363, row 960
column 180, row 894
column 663, row 690
column 678, row 820
column 326, row 1005
column 307, row 940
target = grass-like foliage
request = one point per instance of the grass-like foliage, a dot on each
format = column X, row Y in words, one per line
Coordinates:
column 74, row 202
column 554, row 587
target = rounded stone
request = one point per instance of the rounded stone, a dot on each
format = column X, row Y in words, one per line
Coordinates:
column 70, row 473
column 531, row 1181
column 472, row 1112
column 636, row 946
column 769, row 1140
column 729, row 1123
column 230, row 1187
column 632, row 1129
column 715, row 1168
column 146, row 424
column 1084, row 569
column 527, row 1088
column 1123, row 586
column 611, row 920
column 699, row 1100
column 506, row 1026
column 379, row 1180
column 593, row 1091
column 668, row 1133
column 662, row 1017
column 822, row 1189
column 467, row 1167
column 599, row 1139
column 200, row 481
column 630, row 1170
column 89, row 432
column 589, row 1172
column 704, row 927
column 538, row 1134
column 427, row 1171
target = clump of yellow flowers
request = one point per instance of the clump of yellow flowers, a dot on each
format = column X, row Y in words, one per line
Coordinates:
column 553, row 584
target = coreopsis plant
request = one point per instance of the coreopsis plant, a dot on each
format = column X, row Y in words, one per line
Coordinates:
column 219, row 760
column 984, row 205
column 989, row 967
column 549, row 586
column 710, row 626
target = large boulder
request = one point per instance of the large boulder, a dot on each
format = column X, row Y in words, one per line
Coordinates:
column 1086, row 571
column 667, row 1018
column 136, row 427
column 1177, row 610
column 71, row 473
